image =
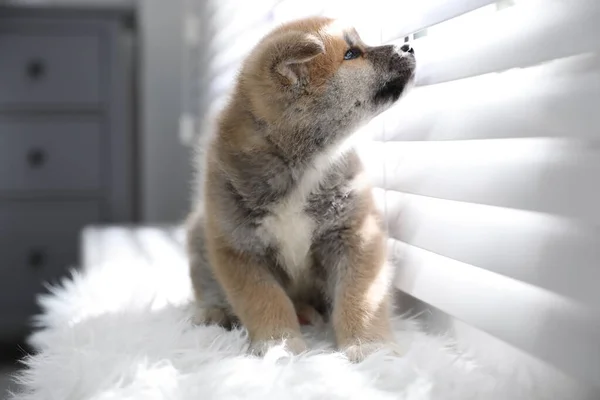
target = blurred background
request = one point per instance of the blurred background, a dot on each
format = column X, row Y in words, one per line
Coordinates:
column 488, row 171
column 91, row 95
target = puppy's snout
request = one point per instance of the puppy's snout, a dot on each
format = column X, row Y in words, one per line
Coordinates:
column 392, row 58
column 407, row 48
column 402, row 58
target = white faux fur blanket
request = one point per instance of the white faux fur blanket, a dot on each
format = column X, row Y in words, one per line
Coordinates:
column 121, row 331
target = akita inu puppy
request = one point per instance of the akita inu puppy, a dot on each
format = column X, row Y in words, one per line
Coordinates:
column 287, row 226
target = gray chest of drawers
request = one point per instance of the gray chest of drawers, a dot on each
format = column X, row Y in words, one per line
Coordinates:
column 66, row 144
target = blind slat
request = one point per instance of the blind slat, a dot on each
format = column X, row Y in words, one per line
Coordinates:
column 538, row 32
column 540, row 249
column 407, row 17
column 545, row 175
column 555, row 99
column 543, row 324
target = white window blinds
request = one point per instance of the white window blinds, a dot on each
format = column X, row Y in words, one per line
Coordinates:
column 491, row 178
column 489, row 170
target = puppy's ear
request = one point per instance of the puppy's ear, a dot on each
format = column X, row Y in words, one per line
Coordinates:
column 288, row 54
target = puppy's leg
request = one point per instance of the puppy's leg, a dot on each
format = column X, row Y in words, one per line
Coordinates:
column 361, row 309
column 258, row 300
column 211, row 304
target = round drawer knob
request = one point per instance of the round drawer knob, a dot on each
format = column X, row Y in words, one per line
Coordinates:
column 36, row 157
column 36, row 258
column 36, row 69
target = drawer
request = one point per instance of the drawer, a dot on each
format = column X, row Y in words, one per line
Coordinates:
column 45, row 70
column 39, row 242
column 49, row 155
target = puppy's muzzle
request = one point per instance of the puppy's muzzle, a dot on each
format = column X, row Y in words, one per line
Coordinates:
column 402, row 59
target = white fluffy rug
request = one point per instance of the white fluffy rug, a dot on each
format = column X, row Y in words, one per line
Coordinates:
column 122, row 331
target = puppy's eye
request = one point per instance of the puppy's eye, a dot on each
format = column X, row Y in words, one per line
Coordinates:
column 352, row 54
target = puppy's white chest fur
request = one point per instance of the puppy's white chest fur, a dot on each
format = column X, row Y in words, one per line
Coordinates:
column 289, row 227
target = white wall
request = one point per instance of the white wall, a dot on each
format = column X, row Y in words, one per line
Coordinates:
column 165, row 162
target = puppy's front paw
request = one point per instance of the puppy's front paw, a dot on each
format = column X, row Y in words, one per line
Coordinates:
column 359, row 351
column 294, row 345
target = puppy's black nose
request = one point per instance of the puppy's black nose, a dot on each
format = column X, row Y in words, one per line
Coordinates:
column 407, row 48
